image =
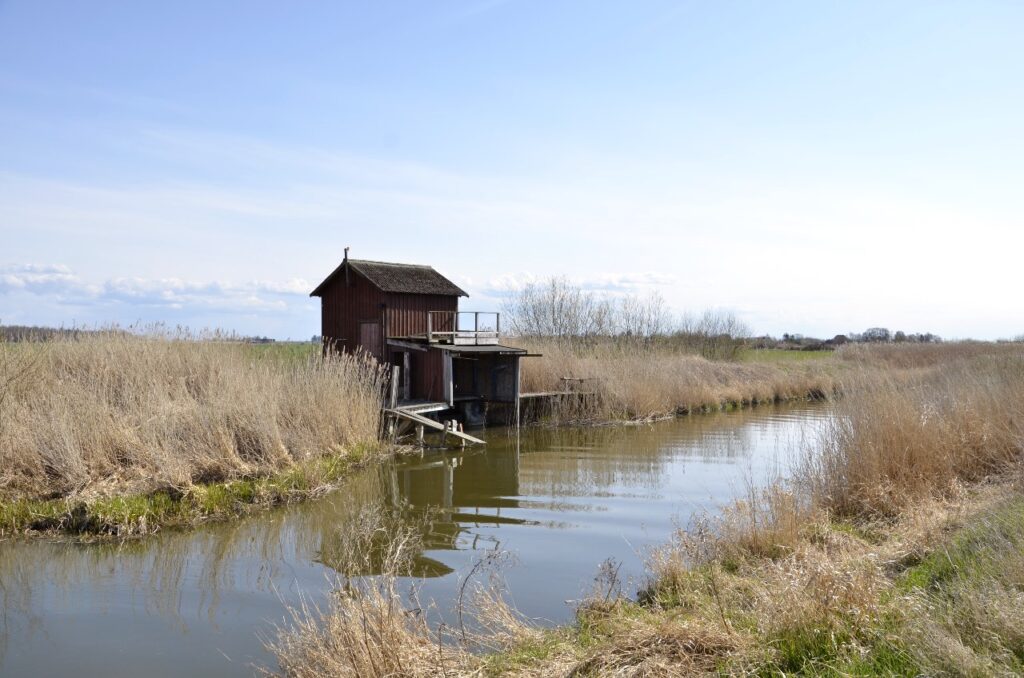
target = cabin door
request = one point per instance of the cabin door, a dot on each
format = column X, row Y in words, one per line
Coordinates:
column 369, row 338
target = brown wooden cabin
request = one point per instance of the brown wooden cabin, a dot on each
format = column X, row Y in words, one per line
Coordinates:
column 408, row 315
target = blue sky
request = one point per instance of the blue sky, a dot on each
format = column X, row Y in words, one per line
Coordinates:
column 816, row 167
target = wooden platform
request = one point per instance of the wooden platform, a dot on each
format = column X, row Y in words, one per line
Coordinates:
column 419, row 420
column 422, row 406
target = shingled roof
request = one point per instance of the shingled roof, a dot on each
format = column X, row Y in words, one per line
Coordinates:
column 400, row 278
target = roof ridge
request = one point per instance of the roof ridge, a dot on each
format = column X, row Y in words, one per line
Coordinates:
column 389, row 263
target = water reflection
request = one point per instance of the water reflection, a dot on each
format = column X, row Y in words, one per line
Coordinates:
column 560, row 500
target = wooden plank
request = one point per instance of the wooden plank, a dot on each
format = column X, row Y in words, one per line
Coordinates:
column 554, row 394
column 430, row 423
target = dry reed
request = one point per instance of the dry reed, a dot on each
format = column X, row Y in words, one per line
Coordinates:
column 636, row 381
column 114, row 413
column 846, row 568
column 897, row 439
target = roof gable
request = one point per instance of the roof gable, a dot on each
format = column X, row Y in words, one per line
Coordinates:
column 397, row 278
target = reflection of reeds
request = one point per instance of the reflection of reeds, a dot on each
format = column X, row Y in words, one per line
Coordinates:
column 370, row 629
column 112, row 413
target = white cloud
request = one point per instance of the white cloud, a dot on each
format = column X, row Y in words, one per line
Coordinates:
column 60, row 283
column 614, row 283
column 37, row 278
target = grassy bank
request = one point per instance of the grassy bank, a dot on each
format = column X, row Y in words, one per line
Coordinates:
column 115, row 433
column 894, row 549
column 635, row 381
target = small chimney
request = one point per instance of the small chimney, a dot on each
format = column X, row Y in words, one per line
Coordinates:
column 345, row 263
column 346, row 254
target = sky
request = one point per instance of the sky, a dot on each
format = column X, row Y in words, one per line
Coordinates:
column 815, row 167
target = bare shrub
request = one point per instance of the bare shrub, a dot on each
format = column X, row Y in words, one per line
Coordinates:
column 715, row 335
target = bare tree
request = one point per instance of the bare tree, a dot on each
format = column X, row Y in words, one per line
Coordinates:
column 557, row 308
column 715, row 334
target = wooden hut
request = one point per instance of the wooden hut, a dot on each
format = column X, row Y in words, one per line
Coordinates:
column 408, row 315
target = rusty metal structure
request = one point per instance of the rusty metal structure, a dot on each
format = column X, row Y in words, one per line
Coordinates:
column 407, row 316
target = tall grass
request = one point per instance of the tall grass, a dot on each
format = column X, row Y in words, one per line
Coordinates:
column 894, row 549
column 639, row 380
column 895, row 440
column 115, row 413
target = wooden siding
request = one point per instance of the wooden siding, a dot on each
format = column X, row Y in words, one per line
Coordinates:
column 343, row 307
column 407, row 313
column 428, row 374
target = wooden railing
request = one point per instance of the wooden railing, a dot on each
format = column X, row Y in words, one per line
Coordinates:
column 463, row 328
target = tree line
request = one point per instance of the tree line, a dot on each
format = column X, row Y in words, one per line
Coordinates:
column 557, row 309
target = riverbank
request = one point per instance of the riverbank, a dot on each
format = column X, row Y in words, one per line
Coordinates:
column 631, row 382
column 132, row 515
column 113, row 433
column 892, row 550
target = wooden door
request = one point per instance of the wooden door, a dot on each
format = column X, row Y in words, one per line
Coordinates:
column 370, row 338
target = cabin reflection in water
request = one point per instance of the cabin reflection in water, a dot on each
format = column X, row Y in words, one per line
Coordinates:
column 459, row 502
column 440, row 498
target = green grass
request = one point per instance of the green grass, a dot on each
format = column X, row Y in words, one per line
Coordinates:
column 284, row 352
column 133, row 515
column 975, row 553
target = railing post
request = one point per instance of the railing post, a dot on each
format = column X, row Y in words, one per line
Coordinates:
column 430, row 332
column 476, row 327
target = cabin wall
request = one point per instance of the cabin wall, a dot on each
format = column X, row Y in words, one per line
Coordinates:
column 427, row 374
column 407, row 313
column 343, row 307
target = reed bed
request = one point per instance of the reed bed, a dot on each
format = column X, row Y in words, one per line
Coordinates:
column 894, row 549
column 114, row 413
column 898, row 439
column 641, row 381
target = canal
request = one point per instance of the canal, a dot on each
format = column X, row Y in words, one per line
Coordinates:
column 554, row 503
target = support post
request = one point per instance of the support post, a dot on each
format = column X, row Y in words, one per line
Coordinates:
column 517, row 399
column 430, row 327
column 393, row 401
column 396, row 372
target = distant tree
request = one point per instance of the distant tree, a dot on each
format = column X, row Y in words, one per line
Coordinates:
column 899, row 337
column 878, row 335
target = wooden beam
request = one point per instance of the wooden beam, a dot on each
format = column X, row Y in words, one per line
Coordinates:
column 430, row 423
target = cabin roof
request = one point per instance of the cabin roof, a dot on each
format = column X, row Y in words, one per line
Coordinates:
column 399, row 278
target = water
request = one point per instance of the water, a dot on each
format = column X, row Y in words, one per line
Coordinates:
column 201, row 602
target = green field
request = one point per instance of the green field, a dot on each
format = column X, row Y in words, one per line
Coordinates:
column 284, row 351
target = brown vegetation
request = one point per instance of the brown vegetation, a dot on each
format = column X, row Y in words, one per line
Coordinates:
column 648, row 380
column 114, row 413
column 894, row 549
